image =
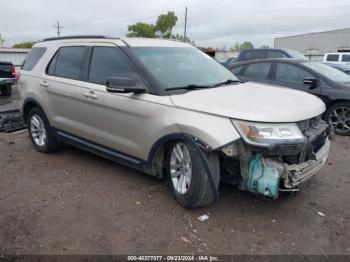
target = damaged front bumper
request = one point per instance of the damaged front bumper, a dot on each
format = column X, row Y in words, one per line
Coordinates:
column 298, row 173
column 283, row 168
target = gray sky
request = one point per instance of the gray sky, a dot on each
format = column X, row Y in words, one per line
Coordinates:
column 210, row 23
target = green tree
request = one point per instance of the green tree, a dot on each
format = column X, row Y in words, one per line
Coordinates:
column 27, row 44
column 165, row 24
column 247, row 45
column 238, row 47
column 141, row 30
column 163, row 27
column 264, row 46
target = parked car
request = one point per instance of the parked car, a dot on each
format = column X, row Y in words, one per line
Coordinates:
column 263, row 53
column 329, row 84
column 337, row 59
column 167, row 109
column 7, row 78
column 343, row 68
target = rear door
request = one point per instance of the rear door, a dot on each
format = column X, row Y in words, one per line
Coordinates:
column 64, row 90
column 292, row 76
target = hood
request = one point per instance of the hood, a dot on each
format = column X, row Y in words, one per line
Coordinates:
column 253, row 102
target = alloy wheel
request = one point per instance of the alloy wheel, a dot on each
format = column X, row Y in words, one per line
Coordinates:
column 37, row 130
column 339, row 118
column 180, row 168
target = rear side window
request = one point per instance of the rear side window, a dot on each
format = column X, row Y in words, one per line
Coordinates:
column 107, row 62
column 258, row 71
column 255, row 54
column 332, row 58
column 68, row 62
column 276, row 54
column 345, row 58
column 33, row 57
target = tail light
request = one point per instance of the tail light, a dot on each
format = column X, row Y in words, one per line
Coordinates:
column 13, row 70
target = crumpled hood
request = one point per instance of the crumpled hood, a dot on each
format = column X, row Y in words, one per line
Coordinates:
column 253, row 102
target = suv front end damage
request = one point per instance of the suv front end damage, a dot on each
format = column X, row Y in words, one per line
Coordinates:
column 268, row 166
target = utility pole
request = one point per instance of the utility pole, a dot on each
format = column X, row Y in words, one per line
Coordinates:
column 1, row 41
column 185, row 24
column 58, row 28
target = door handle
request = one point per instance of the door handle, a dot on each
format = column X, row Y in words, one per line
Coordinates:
column 91, row 94
column 44, row 84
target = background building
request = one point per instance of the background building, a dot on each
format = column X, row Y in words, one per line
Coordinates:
column 315, row 45
column 14, row 55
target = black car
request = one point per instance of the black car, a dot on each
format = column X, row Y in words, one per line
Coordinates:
column 7, row 77
column 328, row 83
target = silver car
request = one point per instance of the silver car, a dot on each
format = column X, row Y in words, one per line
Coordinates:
column 167, row 109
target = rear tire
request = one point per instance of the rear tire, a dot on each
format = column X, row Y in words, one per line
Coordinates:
column 40, row 131
column 187, row 176
column 6, row 90
column 338, row 116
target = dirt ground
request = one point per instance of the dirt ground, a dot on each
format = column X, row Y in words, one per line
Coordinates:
column 73, row 202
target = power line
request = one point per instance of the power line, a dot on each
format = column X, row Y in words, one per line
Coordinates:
column 58, row 28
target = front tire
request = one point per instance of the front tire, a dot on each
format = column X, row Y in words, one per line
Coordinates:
column 40, row 131
column 188, row 179
column 338, row 116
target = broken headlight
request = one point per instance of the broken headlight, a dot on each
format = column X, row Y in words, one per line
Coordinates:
column 267, row 134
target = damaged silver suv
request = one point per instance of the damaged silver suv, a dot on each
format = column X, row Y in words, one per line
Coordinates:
column 167, row 109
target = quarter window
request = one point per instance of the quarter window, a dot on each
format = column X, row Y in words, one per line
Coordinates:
column 68, row 62
column 107, row 62
column 33, row 57
column 258, row 71
column 291, row 74
column 333, row 58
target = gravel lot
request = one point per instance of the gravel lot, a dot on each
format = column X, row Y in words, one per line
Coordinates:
column 73, row 202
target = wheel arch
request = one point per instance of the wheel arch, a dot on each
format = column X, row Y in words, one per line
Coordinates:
column 28, row 104
column 158, row 152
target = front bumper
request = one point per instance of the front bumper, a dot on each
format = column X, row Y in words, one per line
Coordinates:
column 268, row 175
column 298, row 173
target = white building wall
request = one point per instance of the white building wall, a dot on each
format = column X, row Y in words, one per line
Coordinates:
column 13, row 55
column 316, row 44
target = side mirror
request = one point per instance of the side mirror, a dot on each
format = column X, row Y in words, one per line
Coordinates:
column 312, row 82
column 124, row 85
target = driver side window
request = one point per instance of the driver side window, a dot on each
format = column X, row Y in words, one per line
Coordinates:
column 107, row 62
column 288, row 73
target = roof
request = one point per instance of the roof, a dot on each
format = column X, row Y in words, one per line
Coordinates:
column 135, row 42
column 13, row 50
column 312, row 33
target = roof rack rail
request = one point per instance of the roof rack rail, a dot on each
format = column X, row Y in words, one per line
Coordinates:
column 76, row 37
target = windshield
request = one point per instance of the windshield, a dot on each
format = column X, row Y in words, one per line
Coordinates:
column 329, row 72
column 182, row 66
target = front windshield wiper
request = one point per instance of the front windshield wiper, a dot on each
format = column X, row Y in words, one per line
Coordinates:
column 226, row 82
column 188, row 87
column 194, row 86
